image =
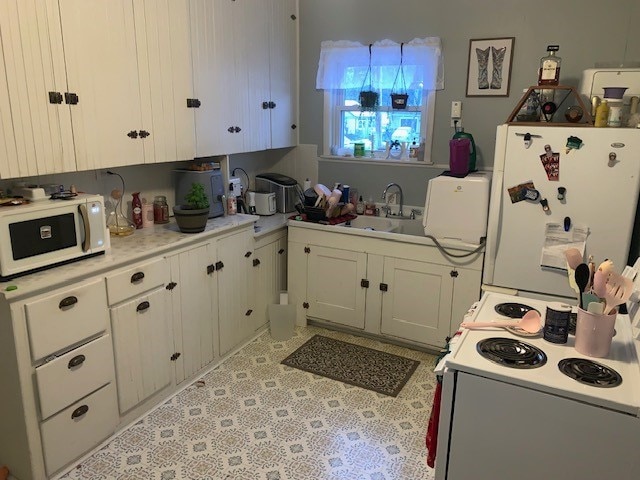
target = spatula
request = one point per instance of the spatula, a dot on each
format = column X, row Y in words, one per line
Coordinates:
column 619, row 290
column 582, row 279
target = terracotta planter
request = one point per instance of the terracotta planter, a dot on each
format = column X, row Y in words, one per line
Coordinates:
column 191, row 220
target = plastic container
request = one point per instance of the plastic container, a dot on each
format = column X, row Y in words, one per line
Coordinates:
column 459, row 154
column 594, row 333
column 282, row 319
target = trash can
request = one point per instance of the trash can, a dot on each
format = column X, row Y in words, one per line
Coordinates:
column 282, row 319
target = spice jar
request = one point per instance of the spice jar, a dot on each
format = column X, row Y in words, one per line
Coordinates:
column 160, row 209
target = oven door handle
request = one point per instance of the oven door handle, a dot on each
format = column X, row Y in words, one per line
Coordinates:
column 86, row 242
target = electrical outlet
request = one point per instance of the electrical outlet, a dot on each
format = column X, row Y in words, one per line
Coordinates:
column 456, row 113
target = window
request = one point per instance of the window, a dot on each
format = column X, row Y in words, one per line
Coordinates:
column 347, row 68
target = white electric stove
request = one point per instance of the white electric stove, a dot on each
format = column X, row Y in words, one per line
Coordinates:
column 523, row 417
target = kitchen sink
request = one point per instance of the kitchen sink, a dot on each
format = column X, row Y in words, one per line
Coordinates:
column 387, row 224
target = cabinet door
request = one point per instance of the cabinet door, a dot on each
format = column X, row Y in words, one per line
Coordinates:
column 166, row 82
column 194, row 307
column 102, row 69
column 36, row 133
column 283, row 70
column 417, row 302
column 281, row 263
column 214, row 71
column 335, row 292
column 142, row 347
column 263, row 287
column 234, row 273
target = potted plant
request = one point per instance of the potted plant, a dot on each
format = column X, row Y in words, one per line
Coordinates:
column 192, row 217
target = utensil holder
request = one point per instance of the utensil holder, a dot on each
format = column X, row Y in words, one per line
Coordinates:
column 594, row 333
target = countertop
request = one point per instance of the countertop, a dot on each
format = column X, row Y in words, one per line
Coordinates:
column 142, row 244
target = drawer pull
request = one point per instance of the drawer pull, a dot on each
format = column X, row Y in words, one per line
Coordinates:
column 136, row 277
column 67, row 302
column 80, row 411
column 142, row 307
column 75, row 361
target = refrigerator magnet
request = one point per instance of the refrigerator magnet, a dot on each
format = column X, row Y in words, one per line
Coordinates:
column 573, row 143
column 551, row 163
column 519, row 193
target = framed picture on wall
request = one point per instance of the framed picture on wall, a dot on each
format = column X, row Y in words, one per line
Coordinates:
column 489, row 69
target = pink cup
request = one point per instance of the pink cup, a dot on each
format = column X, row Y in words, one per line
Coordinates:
column 594, row 333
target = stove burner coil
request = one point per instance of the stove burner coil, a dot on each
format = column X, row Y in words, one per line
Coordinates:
column 511, row 353
column 589, row 372
column 513, row 310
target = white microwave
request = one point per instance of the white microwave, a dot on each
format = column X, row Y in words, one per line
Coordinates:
column 46, row 233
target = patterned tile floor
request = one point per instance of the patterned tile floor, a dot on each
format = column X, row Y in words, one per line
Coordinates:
column 256, row 419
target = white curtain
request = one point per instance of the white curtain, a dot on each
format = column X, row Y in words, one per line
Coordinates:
column 344, row 64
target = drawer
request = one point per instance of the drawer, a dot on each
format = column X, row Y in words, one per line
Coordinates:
column 74, row 375
column 136, row 280
column 78, row 428
column 66, row 318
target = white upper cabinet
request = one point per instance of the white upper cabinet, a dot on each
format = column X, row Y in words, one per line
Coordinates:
column 102, row 71
column 283, row 70
column 245, row 63
column 94, row 84
column 35, row 135
column 166, row 80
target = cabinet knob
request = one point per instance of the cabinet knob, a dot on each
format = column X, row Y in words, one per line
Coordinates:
column 132, row 134
column 293, row 17
column 249, row 312
column 193, row 103
column 364, row 283
column 294, row 126
column 67, row 302
column 237, row 129
column 171, row 285
column 272, row 104
column 265, row 105
column 384, row 287
column 136, row 277
column 281, row 251
column 256, row 262
column 144, row 134
column 210, row 269
column 143, row 306
column 230, row 129
column 247, row 255
column 75, row 361
column 80, row 411
column 219, row 265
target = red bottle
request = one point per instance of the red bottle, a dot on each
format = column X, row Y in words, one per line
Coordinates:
column 136, row 206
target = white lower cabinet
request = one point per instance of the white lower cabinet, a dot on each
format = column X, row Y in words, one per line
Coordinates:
column 194, row 298
column 142, row 347
column 409, row 292
column 269, row 275
column 233, row 268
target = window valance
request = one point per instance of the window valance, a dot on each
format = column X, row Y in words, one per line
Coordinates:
column 343, row 64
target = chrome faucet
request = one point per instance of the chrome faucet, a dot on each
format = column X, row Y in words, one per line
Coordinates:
column 384, row 196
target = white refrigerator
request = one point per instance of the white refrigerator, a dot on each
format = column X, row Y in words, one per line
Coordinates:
column 592, row 189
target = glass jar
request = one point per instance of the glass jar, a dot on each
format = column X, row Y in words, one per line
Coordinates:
column 160, row 209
